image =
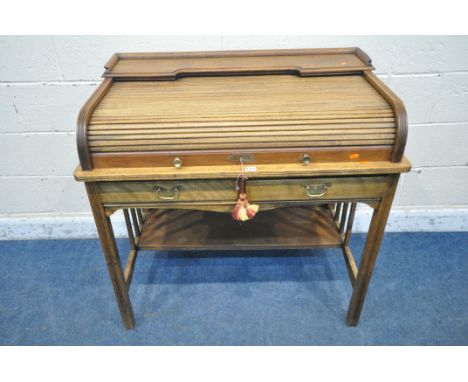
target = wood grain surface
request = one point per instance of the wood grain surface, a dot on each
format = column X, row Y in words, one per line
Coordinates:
column 292, row 227
column 232, row 171
column 163, row 135
column 240, row 113
column 258, row 156
column 215, row 106
column 169, row 66
column 259, row 190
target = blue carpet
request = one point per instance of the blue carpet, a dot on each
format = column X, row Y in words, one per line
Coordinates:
column 58, row 293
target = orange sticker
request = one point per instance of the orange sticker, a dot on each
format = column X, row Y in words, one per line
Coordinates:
column 354, row 156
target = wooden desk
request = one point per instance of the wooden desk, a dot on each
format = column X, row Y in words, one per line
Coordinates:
column 167, row 153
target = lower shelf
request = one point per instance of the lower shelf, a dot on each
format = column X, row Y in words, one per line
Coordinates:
column 291, row 227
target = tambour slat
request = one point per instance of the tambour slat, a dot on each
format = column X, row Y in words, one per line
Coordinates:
column 248, row 116
column 363, row 123
column 320, row 134
column 124, row 134
column 349, row 129
column 184, row 139
column 158, row 114
column 251, row 116
column 237, row 145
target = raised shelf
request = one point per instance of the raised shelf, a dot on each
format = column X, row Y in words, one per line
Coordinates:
column 290, row 227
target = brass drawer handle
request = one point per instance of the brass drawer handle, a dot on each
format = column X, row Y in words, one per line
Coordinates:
column 316, row 191
column 167, row 194
column 306, row 159
column 177, row 162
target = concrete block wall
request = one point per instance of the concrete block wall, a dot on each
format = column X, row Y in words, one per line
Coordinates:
column 45, row 80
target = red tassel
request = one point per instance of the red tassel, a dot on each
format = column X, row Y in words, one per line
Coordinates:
column 243, row 210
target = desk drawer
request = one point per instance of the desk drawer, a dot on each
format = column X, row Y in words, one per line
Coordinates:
column 168, row 191
column 372, row 187
column 261, row 190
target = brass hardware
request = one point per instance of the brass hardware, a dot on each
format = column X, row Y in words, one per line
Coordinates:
column 316, row 191
column 177, row 162
column 165, row 194
column 306, row 159
column 244, row 157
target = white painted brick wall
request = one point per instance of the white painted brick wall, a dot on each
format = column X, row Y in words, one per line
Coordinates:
column 446, row 186
column 42, row 194
column 46, row 107
column 45, row 80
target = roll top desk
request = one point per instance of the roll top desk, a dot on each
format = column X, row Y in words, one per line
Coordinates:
column 166, row 136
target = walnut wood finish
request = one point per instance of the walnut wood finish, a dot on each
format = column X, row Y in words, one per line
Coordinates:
column 400, row 114
column 111, row 254
column 262, row 190
column 370, row 252
column 132, row 123
column 83, row 119
column 231, row 172
column 295, row 227
column 323, row 189
column 273, row 109
column 128, row 273
column 240, row 113
column 169, row 66
column 192, row 158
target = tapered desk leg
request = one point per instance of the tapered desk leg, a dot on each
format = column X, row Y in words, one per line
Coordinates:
column 370, row 252
column 111, row 254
